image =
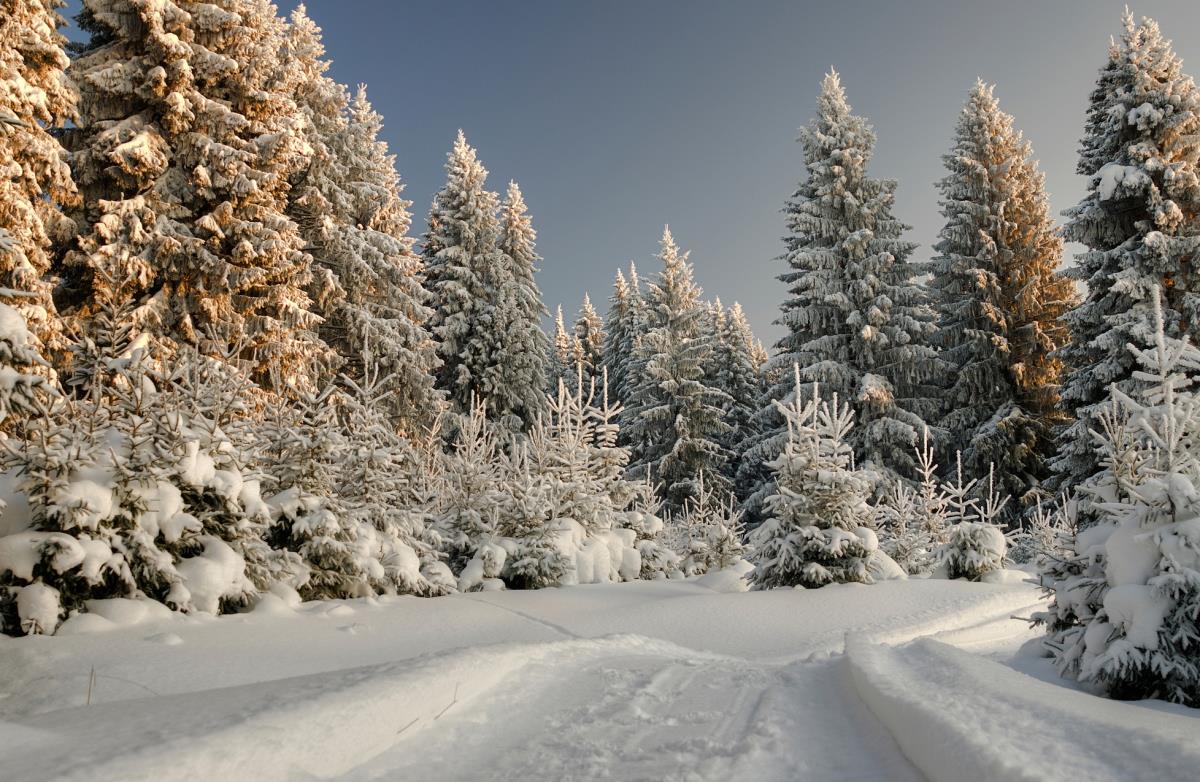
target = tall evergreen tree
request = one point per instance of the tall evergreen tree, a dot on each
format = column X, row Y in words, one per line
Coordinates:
column 525, row 372
column 676, row 419
column 999, row 301
column 466, row 275
column 1140, row 224
column 348, row 205
column 566, row 353
column 35, row 180
column 618, row 336
column 733, row 372
column 188, row 139
column 856, row 321
column 589, row 336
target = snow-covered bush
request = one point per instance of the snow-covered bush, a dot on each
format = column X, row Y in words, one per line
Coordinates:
column 1046, row 534
column 304, row 447
column 708, row 534
column 973, row 550
column 818, row 526
column 912, row 522
column 385, row 482
column 474, row 470
column 1126, row 613
column 133, row 491
column 975, row 543
column 549, row 508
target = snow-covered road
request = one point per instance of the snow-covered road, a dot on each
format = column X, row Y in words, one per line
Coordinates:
column 631, row 709
column 687, row 681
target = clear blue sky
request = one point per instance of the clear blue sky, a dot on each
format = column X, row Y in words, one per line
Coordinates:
column 619, row 116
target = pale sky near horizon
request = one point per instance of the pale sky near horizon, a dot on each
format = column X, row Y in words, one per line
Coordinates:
column 617, row 117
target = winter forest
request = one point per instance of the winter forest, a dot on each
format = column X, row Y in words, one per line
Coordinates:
column 241, row 374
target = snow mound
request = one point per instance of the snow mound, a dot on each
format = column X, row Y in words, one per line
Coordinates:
column 730, row 579
column 958, row 716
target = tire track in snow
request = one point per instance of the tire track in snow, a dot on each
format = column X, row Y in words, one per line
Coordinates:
column 657, row 714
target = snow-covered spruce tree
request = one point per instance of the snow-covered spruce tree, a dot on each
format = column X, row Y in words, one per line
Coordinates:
column 348, row 206
column 472, row 495
column 381, row 491
column 35, row 180
column 469, row 280
column 611, row 524
column 533, row 557
column 566, row 353
column 675, row 420
column 619, row 334
column 857, row 323
column 912, row 521
column 631, row 358
column 999, row 301
column 304, row 447
column 707, row 535
column 134, row 490
column 551, row 507
column 818, row 526
column 975, row 544
column 1140, row 224
column 731, row 370
column 523, row 368
column 1129, row 618
column 589, row 336
column 759, row 356
column 186, row 121
column 224, row 415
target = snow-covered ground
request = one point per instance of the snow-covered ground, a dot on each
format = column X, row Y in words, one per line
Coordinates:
column 679, row 680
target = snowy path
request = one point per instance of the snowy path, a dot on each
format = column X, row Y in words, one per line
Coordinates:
column 680, row 681
column 654, row 713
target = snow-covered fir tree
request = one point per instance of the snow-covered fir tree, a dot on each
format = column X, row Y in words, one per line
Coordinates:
column 468, row 508
column 674, row 418
column 619, row 335
column 857, row 323
column 999, row 301
column 468, row 278
column 303, row 447
column 1126, row 608
column 135, row 490
column 589, row 339
column 566, row 353
column 732, row 371
column 524, row 369
column 635, row 358
column 1139, row 223
column 35, row 180
column 189, row 136
column 818, row 526
column 381, row 490
column 348, row 205
column 708, row 533
column 549, row 508
column 912, row 520
column 975, row 544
